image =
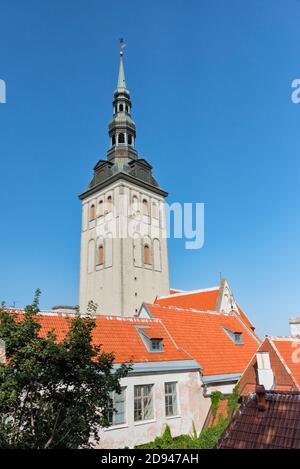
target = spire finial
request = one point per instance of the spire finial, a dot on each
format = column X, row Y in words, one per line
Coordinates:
column 121, row 79
column 122, row 45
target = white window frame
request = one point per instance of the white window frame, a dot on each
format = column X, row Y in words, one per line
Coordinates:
column 172, row 395
column 115, row 397
column 142, row 398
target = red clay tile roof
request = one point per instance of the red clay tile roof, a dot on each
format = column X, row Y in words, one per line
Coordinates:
column 175, row 290
column 245, row 318
column 201, row 334
column 288, row 349
column 277, row 427
column 282, row 375
column 118, row 335
column 205, row 300
column 153, row 332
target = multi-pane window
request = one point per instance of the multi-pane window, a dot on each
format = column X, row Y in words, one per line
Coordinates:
column 143, row 402
column 116, row 415
column 171, row 399
column 156, row 345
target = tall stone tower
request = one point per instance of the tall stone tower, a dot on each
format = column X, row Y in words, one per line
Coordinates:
column 124, row 255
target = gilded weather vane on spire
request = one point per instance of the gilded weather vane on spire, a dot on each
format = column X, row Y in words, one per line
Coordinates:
column 122, row 45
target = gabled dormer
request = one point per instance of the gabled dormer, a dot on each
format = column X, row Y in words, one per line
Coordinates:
column 152, row 338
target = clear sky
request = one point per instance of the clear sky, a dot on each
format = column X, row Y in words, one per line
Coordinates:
column 210, row 82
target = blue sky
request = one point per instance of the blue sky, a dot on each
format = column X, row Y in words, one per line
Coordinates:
column 210, row 82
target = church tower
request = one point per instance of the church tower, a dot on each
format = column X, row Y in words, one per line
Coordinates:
column 124, row 256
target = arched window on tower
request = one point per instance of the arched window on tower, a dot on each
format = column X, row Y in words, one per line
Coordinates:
column 121, row 108
column 135, row 204
column 121, row 138
column 100, row 255
column 126, row 108
column 101, row 211
column 145, row 207
column 109, row 204
column 147, row 254
column 154, row 210
column 129, row 139
column 92, row 212
column 113, row 140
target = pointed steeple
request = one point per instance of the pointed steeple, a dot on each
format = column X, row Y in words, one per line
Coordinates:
column 121, row 80
column 122, row 131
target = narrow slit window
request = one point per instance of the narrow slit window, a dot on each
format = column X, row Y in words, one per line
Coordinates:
column 100, row 255
column 92, row 212
column 147, row 254
column 109, row 203
column 145, row 207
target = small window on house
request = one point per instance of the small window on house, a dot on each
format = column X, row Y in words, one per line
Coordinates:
column 121, row 138
column 109, row 203
column 143, row 402
column 145, row 207
column 171, row 407
column 117, row 411
column 235, row 336
column 92, row 212
column 100, row 255
column 238, row 338
column 121, row 108
column 156, row 345
column 129, row 139
column 147, row 254
column 113, row 140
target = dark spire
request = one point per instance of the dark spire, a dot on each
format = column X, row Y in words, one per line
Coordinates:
column 122, row 158
column 122, row 131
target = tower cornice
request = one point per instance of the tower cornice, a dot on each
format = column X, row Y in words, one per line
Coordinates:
column 124, row 177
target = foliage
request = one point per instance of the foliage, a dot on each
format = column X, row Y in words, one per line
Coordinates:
column 216, row 397
column 206, row 440
column 53, row 394
column 232, row 401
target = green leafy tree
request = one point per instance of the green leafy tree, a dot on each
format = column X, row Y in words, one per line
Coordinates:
column 53, row 394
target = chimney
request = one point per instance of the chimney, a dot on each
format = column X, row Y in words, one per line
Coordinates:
column 265, row 373
column 261, row 397
column 295, row 326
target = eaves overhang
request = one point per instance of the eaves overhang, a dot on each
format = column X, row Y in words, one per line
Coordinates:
column 166, row 366
column 224, row 378
column 125, row 177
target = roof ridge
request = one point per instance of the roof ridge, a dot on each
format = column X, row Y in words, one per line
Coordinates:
column 190, row 292
column 193, row 310
column 283, row 338
column 128, row 318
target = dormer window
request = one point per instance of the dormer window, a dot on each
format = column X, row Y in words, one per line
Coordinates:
column 152, row 338
column 235, row 336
